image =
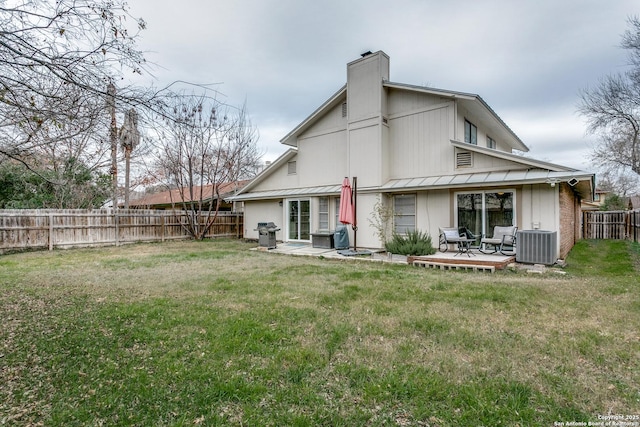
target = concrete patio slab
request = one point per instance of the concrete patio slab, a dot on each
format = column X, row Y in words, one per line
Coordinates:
column 444, row 260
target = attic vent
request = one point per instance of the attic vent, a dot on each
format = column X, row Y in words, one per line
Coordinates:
column 344, row 109
column 464, row 159
column 291, row 168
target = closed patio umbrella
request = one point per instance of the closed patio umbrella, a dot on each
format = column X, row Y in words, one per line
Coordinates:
column 346, row 204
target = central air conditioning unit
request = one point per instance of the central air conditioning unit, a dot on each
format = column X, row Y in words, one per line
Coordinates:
column 536, row 247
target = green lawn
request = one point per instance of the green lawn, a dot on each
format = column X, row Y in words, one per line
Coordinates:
column 210, row 333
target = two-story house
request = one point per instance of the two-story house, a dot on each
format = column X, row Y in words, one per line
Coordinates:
column 438, row 158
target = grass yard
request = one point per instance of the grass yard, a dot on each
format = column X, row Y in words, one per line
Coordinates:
column 210, row 333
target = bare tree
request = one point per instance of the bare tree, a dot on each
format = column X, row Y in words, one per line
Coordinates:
column 612, row 109
column 57, row 59
column 202, row 145
column 622, row 184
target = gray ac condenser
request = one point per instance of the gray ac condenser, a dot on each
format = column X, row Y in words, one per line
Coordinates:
column 536, row 247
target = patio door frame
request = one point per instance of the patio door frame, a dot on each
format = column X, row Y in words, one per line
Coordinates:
column 484, row 231
column 300, row 220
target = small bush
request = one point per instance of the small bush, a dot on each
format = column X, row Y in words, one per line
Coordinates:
column 413, row 243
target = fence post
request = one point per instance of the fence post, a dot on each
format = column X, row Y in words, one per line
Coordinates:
column 117, row 228
column 50, row 231
column 162, row 222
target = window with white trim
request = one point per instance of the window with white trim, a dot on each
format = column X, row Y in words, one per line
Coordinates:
column 404, row 213
column 323, row 213
column 491, row 143
column 470, row 132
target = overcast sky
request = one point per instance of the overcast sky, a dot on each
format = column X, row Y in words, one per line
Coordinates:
column 528, row 60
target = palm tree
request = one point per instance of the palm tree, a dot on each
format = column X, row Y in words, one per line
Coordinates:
column 129, row 139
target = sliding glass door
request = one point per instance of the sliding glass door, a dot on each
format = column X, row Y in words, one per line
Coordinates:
column 299, row 225
column 479, row 212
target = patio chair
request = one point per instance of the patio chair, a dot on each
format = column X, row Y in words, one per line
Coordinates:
column 503, row 237
column 450, row 236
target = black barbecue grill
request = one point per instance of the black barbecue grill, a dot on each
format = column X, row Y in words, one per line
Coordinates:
column 267, row 234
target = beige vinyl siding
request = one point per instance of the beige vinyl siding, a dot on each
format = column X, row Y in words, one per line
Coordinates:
column 484, row 163
column 330, row 122
column 365, row 155
column 540, row 207
column 404, row 101
column 433, row 210
column 280, row 178
column 364, row 87
column 416, row 142
column 322, row 159
column 262, row 211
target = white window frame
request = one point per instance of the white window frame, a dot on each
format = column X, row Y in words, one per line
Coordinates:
column 471, row 140
column 323, row 215
column 396, row 215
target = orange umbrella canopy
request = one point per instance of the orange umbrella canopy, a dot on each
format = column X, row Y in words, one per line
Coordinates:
column 346, row 204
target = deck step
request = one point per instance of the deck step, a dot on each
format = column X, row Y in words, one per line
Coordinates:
column 453, row 266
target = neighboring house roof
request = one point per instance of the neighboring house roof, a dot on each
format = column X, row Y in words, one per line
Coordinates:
column 169, row 197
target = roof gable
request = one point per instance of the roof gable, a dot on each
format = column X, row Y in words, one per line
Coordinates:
column 476, row 105
column 268, row 171
column 472, row 102
column 336, row 99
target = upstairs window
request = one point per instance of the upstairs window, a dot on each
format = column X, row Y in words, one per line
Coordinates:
column 491, row 143
column 470, row 133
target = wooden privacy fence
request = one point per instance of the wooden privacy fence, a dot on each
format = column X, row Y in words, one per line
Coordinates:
column 55, row 228
column 618, row 225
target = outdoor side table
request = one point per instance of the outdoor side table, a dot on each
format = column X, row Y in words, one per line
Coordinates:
column 464, row 246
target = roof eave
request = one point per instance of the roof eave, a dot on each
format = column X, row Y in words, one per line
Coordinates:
column 510, row 156
column 286, row 156
column 583, row 187
column 333, row 100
